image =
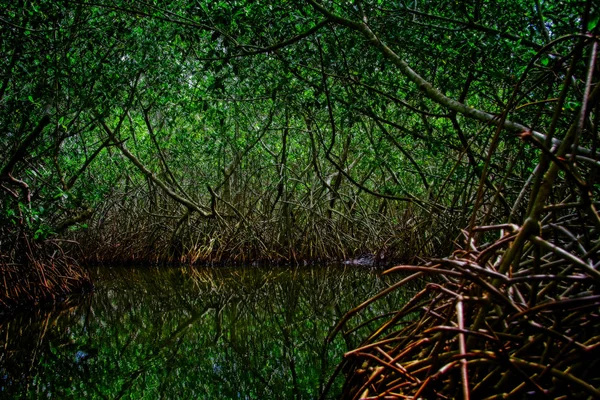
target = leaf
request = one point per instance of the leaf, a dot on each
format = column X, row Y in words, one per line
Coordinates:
column 593, row 23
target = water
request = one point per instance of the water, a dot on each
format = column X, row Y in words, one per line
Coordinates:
column 188, row 333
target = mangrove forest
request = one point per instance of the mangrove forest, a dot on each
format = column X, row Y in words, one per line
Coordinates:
column 285, row 199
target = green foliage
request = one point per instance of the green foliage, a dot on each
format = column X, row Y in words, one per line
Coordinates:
column 267, row 105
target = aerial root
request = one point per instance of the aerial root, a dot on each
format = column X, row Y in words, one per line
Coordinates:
column 479, row 333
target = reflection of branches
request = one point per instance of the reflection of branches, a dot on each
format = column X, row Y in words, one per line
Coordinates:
column 146, row 326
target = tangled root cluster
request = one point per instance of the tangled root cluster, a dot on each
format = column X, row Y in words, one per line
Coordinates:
column 491, row 328
column 35, row 272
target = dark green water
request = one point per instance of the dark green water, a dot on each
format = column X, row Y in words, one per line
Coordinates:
column 187, row 333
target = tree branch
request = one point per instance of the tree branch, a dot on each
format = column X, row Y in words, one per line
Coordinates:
column 19, row 154
column 135, row 161
column 426, row 87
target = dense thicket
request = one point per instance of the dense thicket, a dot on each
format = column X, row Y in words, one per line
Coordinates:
column 286, row 130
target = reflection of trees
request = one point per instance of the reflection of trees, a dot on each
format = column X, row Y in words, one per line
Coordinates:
column 187, row 333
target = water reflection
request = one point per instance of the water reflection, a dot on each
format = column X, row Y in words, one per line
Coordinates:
column 228, row 333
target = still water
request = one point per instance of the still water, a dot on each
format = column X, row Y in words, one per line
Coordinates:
column 190, row 333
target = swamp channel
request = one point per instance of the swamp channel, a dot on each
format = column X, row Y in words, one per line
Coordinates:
column 191, row 333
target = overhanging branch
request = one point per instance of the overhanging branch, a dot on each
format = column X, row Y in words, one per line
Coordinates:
column 135, row 161
column 426, row 87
